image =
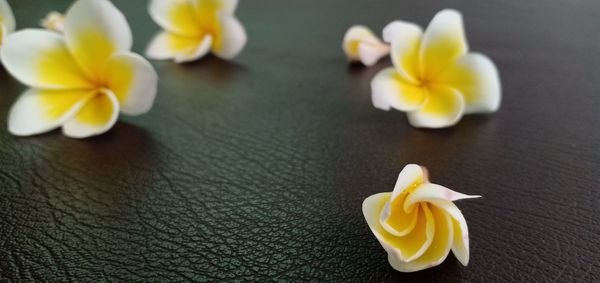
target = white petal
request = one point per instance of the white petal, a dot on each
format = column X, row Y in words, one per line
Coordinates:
column 133, row 80
column 370, row 54
column 460, row 245
column 405, row 39
column 361, row 44
column 175, row 16
column 95, row 30
column 39, row 111
column 96, row 117
column 40, row 59
column 167, row 45
column 443, row 108
column 231, row 39
column 429, row 192
column 443, row 42
column 389, row 90
column 411, row 176
column 476, row 77
column 7, row 17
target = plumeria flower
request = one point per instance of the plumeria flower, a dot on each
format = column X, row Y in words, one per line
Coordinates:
column 7, row 20
column 54, row 21
column 362, row 45
column 81, row 79
column 418, row 224
column 192, row 28
column 434, row 77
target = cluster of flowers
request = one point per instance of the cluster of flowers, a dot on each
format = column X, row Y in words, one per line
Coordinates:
column 82, row 73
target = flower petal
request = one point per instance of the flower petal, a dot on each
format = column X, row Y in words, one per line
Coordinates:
column 361, row 44
column 405, row 39
column 444, row 107
column 133, row 81
column 167, row 45
column 7, row 18
column 175, row 16
column 406, row 248
column 231, row 38
column 95, row 30
column 39, row 111
column 476, row 77
column 410, row 177
column 389, row 90
column 443, row 42
column 429, row 192
column 396, row 220
column 97, row 116
column 438, row 249
column 460, row 243
column 40, row 59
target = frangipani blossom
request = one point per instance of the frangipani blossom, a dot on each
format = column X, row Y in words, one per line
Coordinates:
column 54, row 21
column 418, row 224
column 7, row 20
column 192, row 28
column 362, row 45
column 81, row 79
column 434, row 77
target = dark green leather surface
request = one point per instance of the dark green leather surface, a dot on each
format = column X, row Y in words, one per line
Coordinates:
column 256, row 169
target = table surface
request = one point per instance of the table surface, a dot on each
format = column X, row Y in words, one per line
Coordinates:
column 257, row 168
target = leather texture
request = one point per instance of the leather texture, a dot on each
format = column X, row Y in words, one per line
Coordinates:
column 256, row 169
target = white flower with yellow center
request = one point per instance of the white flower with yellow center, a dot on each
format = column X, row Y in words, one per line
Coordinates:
column 81, row 79
column 418, row 224
column 434, row 78
column 7, row 20
column 362, row 45
column 192, row 28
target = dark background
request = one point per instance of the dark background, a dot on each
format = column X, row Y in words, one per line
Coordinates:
column 256, row 169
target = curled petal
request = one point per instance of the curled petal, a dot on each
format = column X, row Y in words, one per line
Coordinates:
column 410, row 177
column 460, row 243
column 175, row 16
column 405, row 39
column 362, row 45
column 133, row 80
column 444, row 108
column 40, row 59
column 429, row 192
column 438, row 249
column 409, row 247
column 389, row 90
column 54, row 21
column 39, row 111
column 402, row 222
column 231, row 39
column 477, row 79
column 167, row 45
column 96, row 117
column 443, row 42
column 95, row 30
column 7, row 18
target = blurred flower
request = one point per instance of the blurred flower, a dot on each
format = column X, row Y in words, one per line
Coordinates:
column 79, row 80
column 362, row 45
column 54, row 21
column 7, row 20
column 434, row 78
column 418, row 224
column 192, row 28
